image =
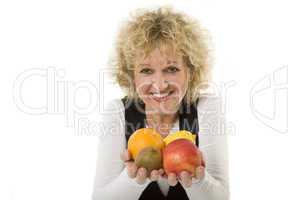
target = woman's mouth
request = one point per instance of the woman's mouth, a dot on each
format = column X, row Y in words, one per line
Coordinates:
column 161, row 97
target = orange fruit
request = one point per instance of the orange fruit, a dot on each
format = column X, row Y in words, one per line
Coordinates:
column 144, row 137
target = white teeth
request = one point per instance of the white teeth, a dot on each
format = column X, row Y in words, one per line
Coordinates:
column 158, row 95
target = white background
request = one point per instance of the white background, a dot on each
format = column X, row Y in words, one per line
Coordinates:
column 44, row 156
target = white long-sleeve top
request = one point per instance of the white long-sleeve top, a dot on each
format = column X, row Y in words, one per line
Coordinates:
column 111, row 179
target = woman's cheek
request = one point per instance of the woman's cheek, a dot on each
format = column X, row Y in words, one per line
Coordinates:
column 142, row 85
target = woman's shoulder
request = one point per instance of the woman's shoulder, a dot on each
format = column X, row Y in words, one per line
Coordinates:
column 113, row 106
column 112, row 111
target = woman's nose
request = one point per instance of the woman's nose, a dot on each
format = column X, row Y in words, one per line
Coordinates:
column 160, row 83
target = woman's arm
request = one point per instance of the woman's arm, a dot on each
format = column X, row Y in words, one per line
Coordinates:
column 213, row 144
column 111, row 179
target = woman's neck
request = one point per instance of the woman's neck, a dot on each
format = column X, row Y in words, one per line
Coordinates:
column 161, row 122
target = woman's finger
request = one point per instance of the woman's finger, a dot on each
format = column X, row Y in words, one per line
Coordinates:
column 202, row 159
column 154, row 175
column 161, row 172
column 172, row 179
column 125, row 156
column 185, row 179
column 131, row 169
column 199, row 172
column 141, row 175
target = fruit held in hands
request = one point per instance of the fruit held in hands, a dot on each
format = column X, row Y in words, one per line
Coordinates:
column 142, row 138
column 181, row 155
column 149, row 158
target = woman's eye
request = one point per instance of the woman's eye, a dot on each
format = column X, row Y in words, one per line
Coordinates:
column 146, row 71
column 172, row 69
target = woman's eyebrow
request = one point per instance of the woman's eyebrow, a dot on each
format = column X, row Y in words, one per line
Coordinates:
column 171, row 62
column 144, row 65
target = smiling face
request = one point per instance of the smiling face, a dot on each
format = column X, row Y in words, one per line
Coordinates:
column 161, row 80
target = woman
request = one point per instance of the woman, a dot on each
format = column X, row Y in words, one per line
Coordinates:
column 162, row 60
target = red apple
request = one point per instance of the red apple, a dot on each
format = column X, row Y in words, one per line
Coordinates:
column 181, row 155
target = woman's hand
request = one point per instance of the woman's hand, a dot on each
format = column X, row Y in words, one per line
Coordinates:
column 140, row 174
column 185, row 177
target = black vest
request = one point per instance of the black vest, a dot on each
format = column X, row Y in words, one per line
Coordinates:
column 135, row 119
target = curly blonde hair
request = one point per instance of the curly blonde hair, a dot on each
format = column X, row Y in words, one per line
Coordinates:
column 163, row 27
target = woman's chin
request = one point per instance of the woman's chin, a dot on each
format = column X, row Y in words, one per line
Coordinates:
column 166, row 107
